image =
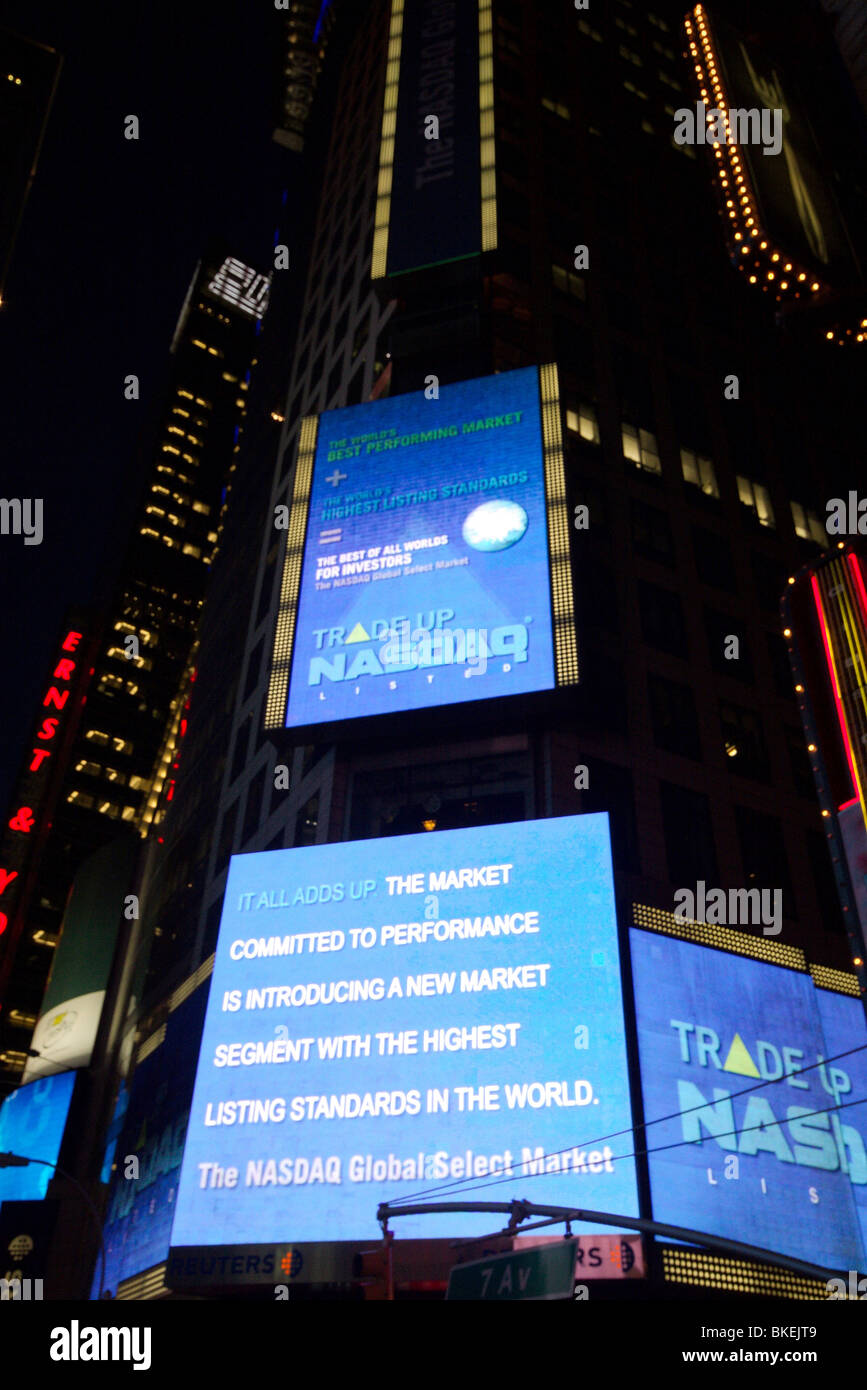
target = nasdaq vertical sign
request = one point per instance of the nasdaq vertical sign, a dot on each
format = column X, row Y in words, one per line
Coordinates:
column 764, row 1138
column 436, row 177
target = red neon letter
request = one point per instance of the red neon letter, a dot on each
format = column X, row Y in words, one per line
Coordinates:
column 22, row 820
column 64, row 669
column 70, row 642
column 4, row 922
column 39, row 755
column 55, row 697
column 49, row 728
column 6, row 878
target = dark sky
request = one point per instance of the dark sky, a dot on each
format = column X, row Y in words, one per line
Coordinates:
column 110, row 238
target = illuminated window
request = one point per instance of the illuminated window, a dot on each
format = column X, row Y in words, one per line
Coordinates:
column 170, row 449
column 660, row 23
column 627, row 28
column 666, row 52
column 698, row 470
column 138, row 784
column 158, row 487
column 755, row 496
column 177, row 410
column 81, row 799
column 588, row 29
column 120, row 745
column 227, row 376
column 744, row 742
column 187, row 395
column 212, row 536
column 128, row 813
column 808, row 526
column 206, row 404
column 97, row 736
column 92, row 769
column 175, row 429
column 583, row 422
column 568, row 283
column 636, row 91
column 202, row 507
column 197, row 443
column 147, row 531
column 669, row 81
column 557, row 107
column 630, row 56
column 192, row 550
column 639, row 446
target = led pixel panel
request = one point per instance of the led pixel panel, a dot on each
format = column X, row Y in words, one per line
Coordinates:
column 765, row 1142
column 32, row 1121
column 418, row 565
column 390, row 1016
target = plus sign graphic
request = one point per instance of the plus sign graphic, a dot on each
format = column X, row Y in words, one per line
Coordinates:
column 336, row 477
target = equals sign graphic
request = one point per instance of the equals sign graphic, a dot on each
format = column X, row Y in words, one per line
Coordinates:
column 330, row 537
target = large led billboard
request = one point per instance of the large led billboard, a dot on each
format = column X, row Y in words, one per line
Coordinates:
column 32, row 1121
column 764, row 1138
column 392, row 1016
column 138, row 1218
column 426, row 539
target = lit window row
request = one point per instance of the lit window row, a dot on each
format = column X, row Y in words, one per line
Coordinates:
column 636, row 91
column 118, row 744
column 188, row 396
column 557, row 107
column 104, row 808
column 110, row 683
column 111, row 774
column 142, row 662
column 214, row 352
column 588, row 29
column 568, row 283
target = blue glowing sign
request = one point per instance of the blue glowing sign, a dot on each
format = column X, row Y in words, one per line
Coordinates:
column 388, row 1016
column 32, row 1121
column 425, row 578
column 776, row 1165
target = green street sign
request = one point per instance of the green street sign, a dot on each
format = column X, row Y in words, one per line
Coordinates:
column 548, row 1271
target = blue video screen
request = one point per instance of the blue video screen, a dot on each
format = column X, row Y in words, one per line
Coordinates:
column 391, row 1016
column 781, row 1166
column 425, row 576
column 32, row 1121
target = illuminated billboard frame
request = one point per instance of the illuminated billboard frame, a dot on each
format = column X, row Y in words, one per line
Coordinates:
column 834, row 1025
column 564, row 640
column 397, row 59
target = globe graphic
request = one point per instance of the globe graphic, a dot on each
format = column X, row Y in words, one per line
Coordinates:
column 19, row 1246
column 495, row 525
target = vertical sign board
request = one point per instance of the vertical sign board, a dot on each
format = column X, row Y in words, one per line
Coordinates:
column 795, row 200
column 391, row 1016
column 430, row 196
column 436, row 208
column 427, row 537
column 778, row 1163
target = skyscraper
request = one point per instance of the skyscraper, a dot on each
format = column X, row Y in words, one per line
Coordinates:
column 120, row 762
column 549, row 217
column 28, row 81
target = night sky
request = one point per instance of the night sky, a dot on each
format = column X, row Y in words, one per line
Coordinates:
column 109, row 241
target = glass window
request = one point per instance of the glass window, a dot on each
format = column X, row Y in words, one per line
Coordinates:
column 662, row 624
column 689, row 840
column 639, row 446
column 698, row 470
column 584, row 422
column 755, row 496
column 808, row 526
column 744, row 742
column 672, row 712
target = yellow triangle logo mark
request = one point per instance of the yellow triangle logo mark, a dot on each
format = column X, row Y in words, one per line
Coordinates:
column 357, row 635
column 739, row 1060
